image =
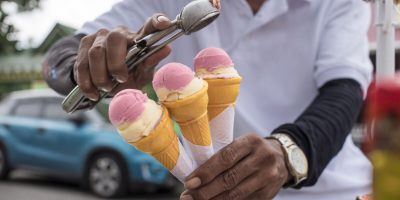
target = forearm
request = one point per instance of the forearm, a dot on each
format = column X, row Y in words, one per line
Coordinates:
column 323, row 127
column 59, row 63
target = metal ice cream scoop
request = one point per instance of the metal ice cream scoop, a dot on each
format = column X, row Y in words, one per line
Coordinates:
column 194, row 16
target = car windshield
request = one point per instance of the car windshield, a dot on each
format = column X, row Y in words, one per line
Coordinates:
column 39, row 104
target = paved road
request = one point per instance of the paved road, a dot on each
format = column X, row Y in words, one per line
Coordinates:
column 27, row 186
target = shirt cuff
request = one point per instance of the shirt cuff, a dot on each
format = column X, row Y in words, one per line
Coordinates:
column 363, row 78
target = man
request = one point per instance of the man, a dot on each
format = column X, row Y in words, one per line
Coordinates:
column 305, row 69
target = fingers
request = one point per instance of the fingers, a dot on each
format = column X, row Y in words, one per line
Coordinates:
column 216, row 3
column 244, row 189
column 253, row 168
column 98, row 62
column 145, row 71
column 220, row 162
column 268, row 191
column 129, row 36
column 226, row 181
column 184, row 193
column 101, row 57
column 117, row 44
column 155, row 23
column 82, row 71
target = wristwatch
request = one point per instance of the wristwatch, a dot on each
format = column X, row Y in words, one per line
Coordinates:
column 296, row 161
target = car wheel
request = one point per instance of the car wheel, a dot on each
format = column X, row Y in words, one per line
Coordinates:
column 107, row 176
column 3, row 163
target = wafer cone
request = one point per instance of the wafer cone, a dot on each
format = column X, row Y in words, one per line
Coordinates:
column 191, row 115
column 222, row 94
column 163, row 144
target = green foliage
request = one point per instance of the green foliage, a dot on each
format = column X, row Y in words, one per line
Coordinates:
column 7, row 42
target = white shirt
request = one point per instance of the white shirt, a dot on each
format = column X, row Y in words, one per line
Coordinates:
column 284, row 53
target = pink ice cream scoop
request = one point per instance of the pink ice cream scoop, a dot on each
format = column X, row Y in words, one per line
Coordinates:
column 211, row 59
column 127, row 106
column 173, row 76
column 176, row 81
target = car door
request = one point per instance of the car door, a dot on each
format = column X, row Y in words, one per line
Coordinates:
column 24, row 124
column 62, row 138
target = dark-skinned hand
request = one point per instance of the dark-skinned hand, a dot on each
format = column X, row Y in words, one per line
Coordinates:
column 251, row 168
column 101, row 57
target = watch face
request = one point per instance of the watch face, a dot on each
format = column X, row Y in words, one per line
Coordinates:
column 299, row 161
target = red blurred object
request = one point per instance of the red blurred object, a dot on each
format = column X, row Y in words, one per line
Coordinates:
column 383, row 101
column 383, row 137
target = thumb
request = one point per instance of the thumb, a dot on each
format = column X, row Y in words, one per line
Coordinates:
column 153, row 24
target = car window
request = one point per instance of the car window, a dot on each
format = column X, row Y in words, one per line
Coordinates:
column 27, row 108
column 52, row 110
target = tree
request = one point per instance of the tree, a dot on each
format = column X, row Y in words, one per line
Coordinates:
column 7, row 42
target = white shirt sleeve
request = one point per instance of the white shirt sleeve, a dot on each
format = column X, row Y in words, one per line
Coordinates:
column 343, row 50
column 130, row 13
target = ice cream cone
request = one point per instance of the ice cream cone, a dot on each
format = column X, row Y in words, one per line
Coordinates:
column 191, row 115
column 147, row 126
column 216, row 67
column 222, row 93
column 186, row 98
column 162, row 143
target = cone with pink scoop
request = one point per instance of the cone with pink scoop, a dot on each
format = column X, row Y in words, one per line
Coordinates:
column 216, row 67
column 186, row 98
column 147, row 126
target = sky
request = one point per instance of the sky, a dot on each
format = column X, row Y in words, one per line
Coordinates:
column 34, row 26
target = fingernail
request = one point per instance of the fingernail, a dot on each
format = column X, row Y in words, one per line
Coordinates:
column 187, row 197
column 184, row 193
column 93, row 98
column 162, row 18
column 193, row 183
column 121, row 79
column 105, row 89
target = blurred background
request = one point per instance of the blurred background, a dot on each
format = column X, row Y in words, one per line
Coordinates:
column 46, row 154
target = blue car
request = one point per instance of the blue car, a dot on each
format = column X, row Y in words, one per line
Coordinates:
column 36, row 134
